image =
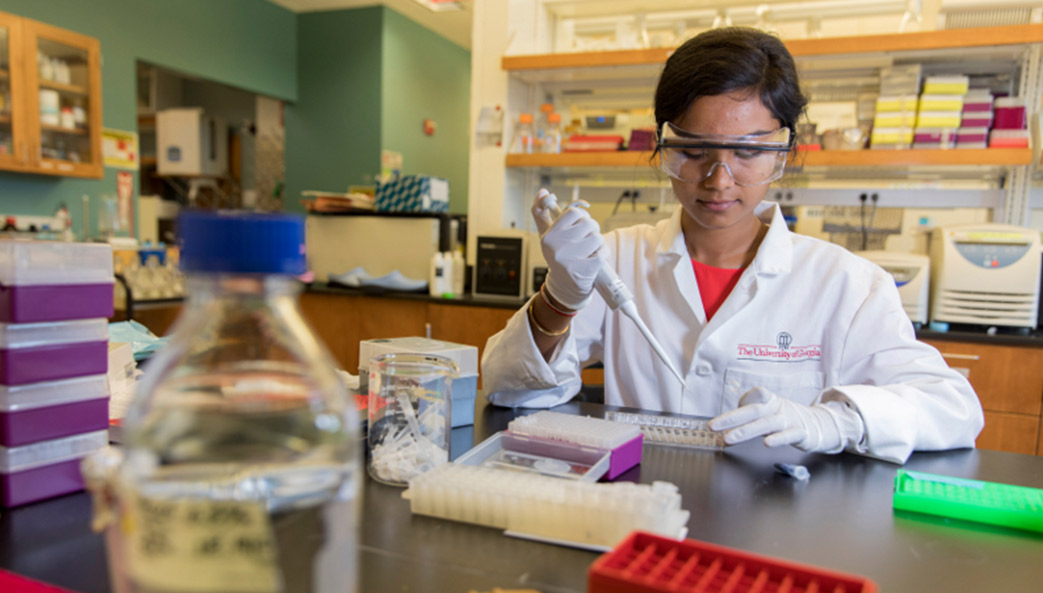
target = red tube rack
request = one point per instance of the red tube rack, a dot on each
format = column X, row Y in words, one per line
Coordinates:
column 647, row 563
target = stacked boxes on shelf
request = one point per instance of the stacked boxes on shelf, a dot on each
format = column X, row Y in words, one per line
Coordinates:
column 55, row 299
column 941, row 111
column 975, row 120
column 896, row 107
column 1009, row 124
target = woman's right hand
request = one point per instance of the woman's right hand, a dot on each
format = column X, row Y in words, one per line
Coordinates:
column 571, row 246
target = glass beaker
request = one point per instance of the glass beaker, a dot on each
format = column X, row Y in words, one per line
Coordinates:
column 409, row 415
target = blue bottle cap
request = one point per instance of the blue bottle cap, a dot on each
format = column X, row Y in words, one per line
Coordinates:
column 241, row 242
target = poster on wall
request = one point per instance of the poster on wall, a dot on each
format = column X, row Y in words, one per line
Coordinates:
column 119, row 148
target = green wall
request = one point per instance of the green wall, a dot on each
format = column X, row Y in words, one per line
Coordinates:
column 333, row 129
column 367, row 78
column 249, row 44
column 426, row 76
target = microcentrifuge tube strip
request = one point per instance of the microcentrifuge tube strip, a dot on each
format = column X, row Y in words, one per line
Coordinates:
column 581, row 430
column 580, row 513
column 671, row 430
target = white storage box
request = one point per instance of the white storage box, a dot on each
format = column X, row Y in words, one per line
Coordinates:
column 52, row 281
column 465, row 387
column 189, row 142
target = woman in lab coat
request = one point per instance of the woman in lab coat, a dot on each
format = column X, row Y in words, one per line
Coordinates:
column 778, row 335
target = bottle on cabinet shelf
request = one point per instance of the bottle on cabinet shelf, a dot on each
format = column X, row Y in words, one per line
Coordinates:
column 524, row 139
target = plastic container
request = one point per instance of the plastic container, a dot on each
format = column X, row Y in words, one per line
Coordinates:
column 901, row 103
column 465, row 385
column 624, row 442
column 976, row 119
column 941, row 102
column 43, row 470
column 546, row 457
column 946, row 84
column 1018, row 507
column 649, row 563
column 1009, row 114
column 50, row 281
column 1008, row 138
column 37, row 352
column 409, row 415
column 672, row 430
column 938, row 119
column 53, row 409
column 241, row 436
column 570, row 512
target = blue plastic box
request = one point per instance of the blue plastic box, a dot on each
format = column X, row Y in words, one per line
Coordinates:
column 413, row 193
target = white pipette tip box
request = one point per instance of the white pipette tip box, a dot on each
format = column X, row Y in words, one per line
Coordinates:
column 621, row 441
column 672, row 430
column 568, row 512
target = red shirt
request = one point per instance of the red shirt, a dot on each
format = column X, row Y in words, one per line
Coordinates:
column 715, row 284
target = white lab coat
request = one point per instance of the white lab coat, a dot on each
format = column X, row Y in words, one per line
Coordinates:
column 807, row 320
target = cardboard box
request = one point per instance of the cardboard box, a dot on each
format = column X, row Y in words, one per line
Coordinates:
column 413, row 193
column 465, row 387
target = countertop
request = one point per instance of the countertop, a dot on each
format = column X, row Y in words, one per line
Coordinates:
column 841, row 519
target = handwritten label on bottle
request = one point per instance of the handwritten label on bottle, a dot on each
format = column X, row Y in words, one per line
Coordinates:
column 200, row 546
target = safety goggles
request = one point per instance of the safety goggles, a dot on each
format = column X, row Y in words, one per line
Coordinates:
column 750, row 160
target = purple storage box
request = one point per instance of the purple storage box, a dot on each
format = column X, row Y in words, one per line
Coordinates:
column 641, row 139
column 972, row 135
column 37, row 352
column 52, row 281
column 944, row 136
column 47, row 469
column 1008, row 114
column 53, row 409
column 976, row 120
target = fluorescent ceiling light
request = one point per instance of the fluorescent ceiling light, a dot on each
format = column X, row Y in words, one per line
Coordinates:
column 441, row 5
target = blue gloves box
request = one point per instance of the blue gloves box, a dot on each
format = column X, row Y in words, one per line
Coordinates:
column 413, row 193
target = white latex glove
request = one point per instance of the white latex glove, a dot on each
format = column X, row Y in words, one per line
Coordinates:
column 825, row 427
column 570, row 245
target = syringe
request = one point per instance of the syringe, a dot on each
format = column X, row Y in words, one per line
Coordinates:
column 611, row 287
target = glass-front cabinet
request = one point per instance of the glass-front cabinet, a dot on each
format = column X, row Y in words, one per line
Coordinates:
column 50, row 100
column 13, row 148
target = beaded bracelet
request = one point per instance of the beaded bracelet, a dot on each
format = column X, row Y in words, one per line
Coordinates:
column 543, row 295
column 543, row 330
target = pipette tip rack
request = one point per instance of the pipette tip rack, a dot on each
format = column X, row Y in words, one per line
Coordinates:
column 583, row 514
column 623, row 441
column 1006, row 505
column 649, row 563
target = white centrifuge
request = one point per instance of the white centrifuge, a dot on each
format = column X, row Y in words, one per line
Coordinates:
column 911, row 272
column 985, row 274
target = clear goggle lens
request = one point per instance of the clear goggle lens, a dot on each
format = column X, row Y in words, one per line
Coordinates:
column 750, row 160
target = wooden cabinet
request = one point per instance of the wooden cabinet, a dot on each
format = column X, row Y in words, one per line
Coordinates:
column 1010, row 386
column 342, row 321
column 50, row 88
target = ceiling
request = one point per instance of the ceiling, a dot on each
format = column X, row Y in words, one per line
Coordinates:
column 454, row 25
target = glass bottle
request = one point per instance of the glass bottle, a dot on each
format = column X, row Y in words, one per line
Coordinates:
column 524, row 135
column 552, row 136
column 241, row 457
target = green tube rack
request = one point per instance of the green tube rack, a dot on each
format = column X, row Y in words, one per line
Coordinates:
column 1017, row 507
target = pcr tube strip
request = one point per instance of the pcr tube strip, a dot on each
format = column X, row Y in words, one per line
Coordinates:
column 582, row 513
column 670, row 430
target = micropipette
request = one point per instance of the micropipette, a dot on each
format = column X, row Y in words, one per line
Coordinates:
column 611, row 287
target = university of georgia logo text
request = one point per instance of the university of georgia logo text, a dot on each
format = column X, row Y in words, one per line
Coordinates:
column 782, row 351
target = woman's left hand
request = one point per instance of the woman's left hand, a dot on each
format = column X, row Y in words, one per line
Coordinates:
column 784, row 422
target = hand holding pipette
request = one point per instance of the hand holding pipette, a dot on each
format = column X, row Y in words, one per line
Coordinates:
column 571, row 242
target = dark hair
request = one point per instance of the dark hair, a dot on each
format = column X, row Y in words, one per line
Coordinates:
column 730, row 59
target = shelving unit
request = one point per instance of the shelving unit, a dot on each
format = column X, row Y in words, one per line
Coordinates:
column 629, row 76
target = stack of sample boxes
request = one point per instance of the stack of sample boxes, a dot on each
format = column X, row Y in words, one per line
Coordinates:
column 1009, row 124
column 55, row 300
column 896, row 107
column 940, row 111
column 976, row 120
